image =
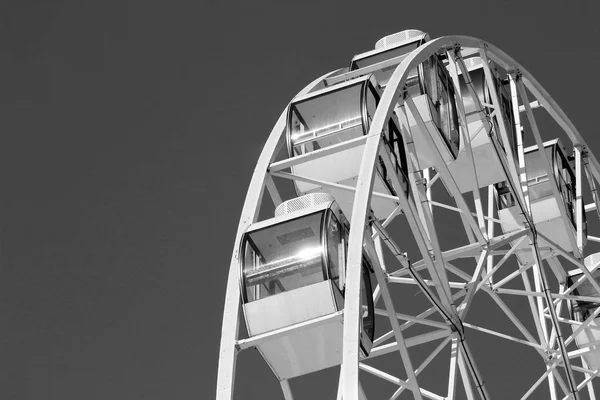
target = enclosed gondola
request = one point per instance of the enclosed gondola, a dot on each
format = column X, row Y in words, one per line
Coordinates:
column 546, row 211
column 330, row 117
column 293, row 269
column 484, row 133
column 429, row 86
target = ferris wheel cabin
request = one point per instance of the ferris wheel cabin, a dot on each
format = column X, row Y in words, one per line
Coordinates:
column 330, row 117
column 429, row 86
column 293, row 269
column 581, row 310
column 546, row 211
column 484, row 131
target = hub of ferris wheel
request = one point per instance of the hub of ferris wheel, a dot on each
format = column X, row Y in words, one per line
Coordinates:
column 453, row 125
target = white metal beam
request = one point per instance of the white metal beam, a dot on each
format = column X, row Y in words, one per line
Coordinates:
column 230, row 326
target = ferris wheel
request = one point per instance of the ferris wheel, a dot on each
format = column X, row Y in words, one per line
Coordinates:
column 436, row 168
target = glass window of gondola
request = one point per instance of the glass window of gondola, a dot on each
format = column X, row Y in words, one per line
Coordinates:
column 566, row 182
column 438, row 85
column 283, row 257
column 509, row 117
column 322, row 121
column 336, row 252
column 537, row 178
column 392, row 138
column 477, row 76
column 368, row 316
column 582, row 309
column 394, row 141
column 506, row 107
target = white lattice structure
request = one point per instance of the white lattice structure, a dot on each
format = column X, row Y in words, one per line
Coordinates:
column 413, row 134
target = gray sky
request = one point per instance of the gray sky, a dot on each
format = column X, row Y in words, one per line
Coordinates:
column 130, row 131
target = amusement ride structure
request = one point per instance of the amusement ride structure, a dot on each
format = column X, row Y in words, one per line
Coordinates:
column 436, row 168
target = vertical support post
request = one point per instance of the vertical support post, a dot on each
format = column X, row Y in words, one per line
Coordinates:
column 475, row 374
column 379, row 251
column 542, row 333
column 578, row 198
column 592, row 183
column 452, row 372
column 287, row 390
column 352, row 311
column 464, row 374
column 551, row 383
column 590, row 385
column 340, row 390
column 520, row 147
column 540, row 304
column 512, row 166
column 544, row 328
column 463, row 308
column 554, row 318
column 413, row 167
column 427, row 177
column 466, row 135
column 273, row 192
column 490, row 230
column 558, row 308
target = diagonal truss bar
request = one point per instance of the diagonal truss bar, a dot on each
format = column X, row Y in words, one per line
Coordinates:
column 445, row 173
column 286, row 389
column 464, row 374
column 533, row 344
column 409, row 342
column 554, row 318
column 574, row 261
column 418, row 319
column 540, row 323
column 467, row 139
column 500, row 263
column 537, row 383
column 389, row 305
column 423, row 243
column 423, row 365
column 512, row 276
column 436, row 302
column 463, row 308
column 395, row 380
column 512, row 317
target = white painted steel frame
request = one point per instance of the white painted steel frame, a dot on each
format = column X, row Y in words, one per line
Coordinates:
column 231, row 315
column 418, row 211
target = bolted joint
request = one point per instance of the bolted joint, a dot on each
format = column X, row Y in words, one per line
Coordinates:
column 550, row 357
column 421, row 182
